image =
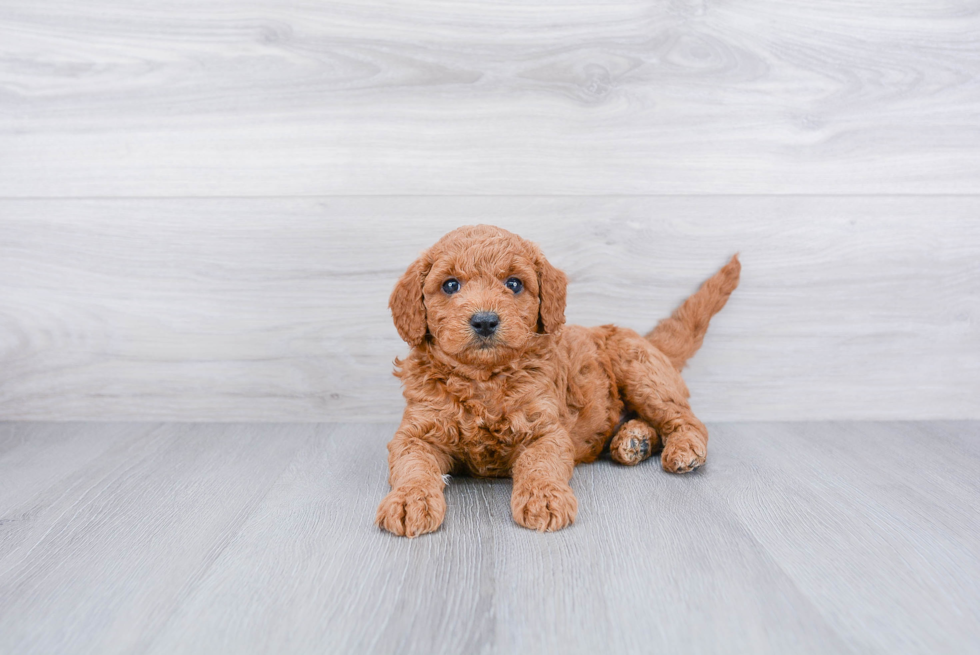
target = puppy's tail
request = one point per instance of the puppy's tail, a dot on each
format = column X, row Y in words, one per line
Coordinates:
column 680, row 336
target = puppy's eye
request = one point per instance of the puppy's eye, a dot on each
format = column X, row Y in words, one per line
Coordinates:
column 450, row 286
column 514, row 284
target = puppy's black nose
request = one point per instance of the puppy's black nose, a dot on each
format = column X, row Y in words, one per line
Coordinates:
column 485, row 323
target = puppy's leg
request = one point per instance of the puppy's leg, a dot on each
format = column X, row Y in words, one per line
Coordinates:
column 654, row 389
column 542, row 498
column 634, row 442
column 416, row 504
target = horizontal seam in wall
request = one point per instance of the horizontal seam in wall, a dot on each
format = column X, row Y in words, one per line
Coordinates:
column 493, row 195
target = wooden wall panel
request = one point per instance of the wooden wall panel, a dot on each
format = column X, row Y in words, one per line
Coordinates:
column 537, row 97
column 275, row 309
column 203, row 205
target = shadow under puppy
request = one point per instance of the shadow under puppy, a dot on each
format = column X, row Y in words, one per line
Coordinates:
column 497, row 385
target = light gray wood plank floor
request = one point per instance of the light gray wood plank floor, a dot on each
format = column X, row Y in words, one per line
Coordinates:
column 258, row 538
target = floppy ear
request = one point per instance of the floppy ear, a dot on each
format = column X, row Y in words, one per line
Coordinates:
column 406, row 302
column 551, row 285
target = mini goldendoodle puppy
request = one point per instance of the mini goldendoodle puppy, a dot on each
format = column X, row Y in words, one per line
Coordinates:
column 497, row 385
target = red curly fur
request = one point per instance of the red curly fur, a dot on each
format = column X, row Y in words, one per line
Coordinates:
column 537, row 397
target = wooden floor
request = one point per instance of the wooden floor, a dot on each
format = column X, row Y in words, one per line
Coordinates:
column 220, row 538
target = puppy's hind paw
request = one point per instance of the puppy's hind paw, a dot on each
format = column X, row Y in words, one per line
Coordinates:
column 411, row 511
column 544, row 507
column 683, row 454
column 634, row 442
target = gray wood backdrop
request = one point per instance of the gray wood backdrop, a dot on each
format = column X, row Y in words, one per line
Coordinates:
column 204, row 205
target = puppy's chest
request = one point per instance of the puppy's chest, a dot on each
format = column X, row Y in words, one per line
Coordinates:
column 490, row 438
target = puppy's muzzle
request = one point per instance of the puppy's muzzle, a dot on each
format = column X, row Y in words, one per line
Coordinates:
column 485, row 323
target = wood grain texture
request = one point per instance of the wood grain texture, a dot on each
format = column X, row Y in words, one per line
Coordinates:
column 892, row 518
column 291, row 97
column 97, row 562
column 796, row 537
column 275, row 309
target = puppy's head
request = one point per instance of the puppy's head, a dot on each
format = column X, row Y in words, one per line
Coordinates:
column 481, row 295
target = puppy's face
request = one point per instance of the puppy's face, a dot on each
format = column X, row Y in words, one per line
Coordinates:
column 481, row 300
column 481, row 295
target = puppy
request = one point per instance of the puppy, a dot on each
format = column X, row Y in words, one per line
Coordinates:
column 496, row 384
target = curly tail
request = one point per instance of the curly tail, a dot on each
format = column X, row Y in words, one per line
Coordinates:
column 680, row 336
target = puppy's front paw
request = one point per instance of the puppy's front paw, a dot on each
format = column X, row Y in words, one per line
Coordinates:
column 543, row 506
column 411, row 511
column 683, row 453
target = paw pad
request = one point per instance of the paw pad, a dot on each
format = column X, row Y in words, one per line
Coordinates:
column 634, row 442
